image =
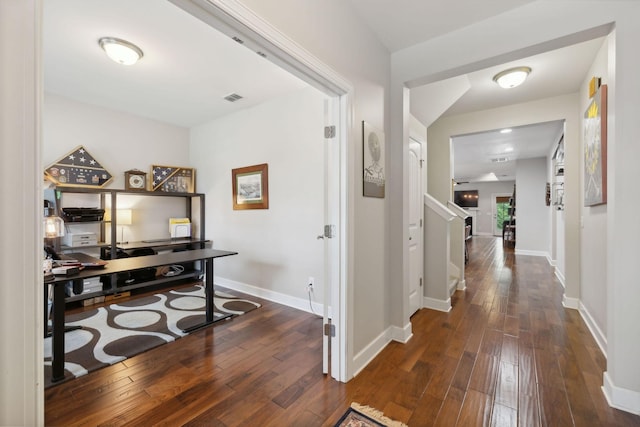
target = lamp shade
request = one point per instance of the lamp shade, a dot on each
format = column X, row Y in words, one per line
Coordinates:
column 120, row 51
column 124, row 216
column 53, row 227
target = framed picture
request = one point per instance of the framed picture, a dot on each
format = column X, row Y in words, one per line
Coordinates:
column 250, row 187
column 595, row 149
column 373, row 148
column 173, row 179
column 78, row 169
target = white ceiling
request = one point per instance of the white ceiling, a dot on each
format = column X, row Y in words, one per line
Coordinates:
column 188, row 67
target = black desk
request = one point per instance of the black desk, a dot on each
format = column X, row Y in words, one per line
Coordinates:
column 120, row 266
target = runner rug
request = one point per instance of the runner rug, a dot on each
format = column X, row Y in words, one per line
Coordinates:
column 115, row 332
column 365, row 416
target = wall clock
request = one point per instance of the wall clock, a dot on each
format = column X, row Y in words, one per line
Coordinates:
column 135, row 180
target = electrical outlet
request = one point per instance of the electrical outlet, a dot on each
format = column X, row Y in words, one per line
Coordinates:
column 310, row 282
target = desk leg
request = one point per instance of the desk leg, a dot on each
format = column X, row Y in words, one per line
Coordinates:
column 208, row 290
column 57, row 336
column 208, row 295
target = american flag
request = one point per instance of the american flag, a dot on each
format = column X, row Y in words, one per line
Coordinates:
column 78, row 168
column 161, row 174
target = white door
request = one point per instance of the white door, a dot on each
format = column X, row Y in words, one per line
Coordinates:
column 416, row 259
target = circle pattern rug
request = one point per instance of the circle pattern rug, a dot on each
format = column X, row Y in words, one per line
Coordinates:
column 115, row 332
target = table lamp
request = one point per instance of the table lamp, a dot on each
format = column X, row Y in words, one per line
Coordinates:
column 123, row 217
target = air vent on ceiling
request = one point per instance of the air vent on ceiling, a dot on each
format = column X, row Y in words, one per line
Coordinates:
column 264, row 55
column 236, row 39
column 233, row 97
column 500, row 160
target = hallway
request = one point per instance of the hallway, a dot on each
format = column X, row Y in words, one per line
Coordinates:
column 507, row 354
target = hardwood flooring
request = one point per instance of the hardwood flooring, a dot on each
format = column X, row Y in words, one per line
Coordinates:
column 507, row 354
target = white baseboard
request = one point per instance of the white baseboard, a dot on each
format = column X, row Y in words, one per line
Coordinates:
column 552, row 262
column 532, row 253
column 436, row 304
column 595, row 330
column 573, row 303
column 462, row 285
column 402, row 335
column 362, row 359
column 288, row 300
column 560, row 277
column 620, row 398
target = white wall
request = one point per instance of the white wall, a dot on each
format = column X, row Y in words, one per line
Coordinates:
column 333, row 33
column 483, row 214
column 21, row 288
column 532, row 222
column 119, row 141
column 278, row 247
column 593, row 296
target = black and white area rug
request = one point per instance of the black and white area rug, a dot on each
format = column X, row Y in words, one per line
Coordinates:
column 113, row 333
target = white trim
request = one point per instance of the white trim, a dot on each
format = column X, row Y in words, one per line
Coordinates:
column 458, row 210
column 620, row 398
column 439, row 208
column 559, row 276
column 462, row 285
column 552, row 262
column 595, row 330
column 436, row 304
column 277, row 297
column 402, row 335
column 532, row 253
column 573, row 303
column 367, row 354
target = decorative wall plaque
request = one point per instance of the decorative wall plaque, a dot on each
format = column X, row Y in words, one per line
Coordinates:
column 78, row 169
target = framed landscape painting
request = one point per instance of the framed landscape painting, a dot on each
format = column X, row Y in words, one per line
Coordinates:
column 250, row 187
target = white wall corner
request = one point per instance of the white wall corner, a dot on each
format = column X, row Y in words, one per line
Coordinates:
column 277, row 297
column 462, row 285
column 620, row 398
column 364, row 357
column 596, row 332
column 402, row 335
column 436, row 304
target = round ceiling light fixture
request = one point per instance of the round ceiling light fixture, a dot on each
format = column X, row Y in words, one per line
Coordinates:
column 512, row 77
column 121, row 51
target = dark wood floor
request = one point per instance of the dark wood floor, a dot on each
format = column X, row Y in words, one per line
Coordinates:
column 507, row 354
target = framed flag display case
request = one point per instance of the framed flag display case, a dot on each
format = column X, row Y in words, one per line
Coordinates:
column 173, row 179
column 78, row 168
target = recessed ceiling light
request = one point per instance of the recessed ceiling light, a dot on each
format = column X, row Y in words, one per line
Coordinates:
column 508, row 149
column 120, row 51
column 512, row 77
column 507, row 130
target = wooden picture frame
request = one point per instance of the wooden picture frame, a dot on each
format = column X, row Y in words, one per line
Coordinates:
column 250, row 187
column 373, row 161
column 78, row 168
column 173, row 179
column 595, row 149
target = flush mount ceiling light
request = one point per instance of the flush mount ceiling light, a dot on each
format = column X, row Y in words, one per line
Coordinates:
column 507, row 130
column 512, row 77
column 121, row 51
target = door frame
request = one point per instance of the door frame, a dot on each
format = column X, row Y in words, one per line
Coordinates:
column 413, row 139
column 494, row 211
column 235, row 19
